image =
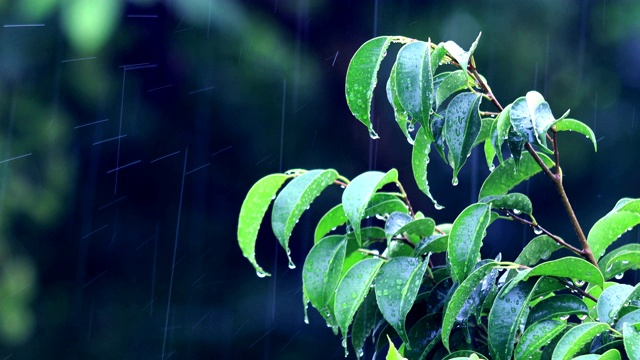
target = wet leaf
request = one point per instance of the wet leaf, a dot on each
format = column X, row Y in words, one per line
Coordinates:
column 424, row 336
column 461, row 128
column 631, row 341
column 577, row 126
column 329, row 221
column 365, row 321
column 517, row 202
column 537, row 336
column 452, row 83
column 395, row 222
column 609, row 228
column 465, row 239
column 631, row 318
column 401, row 115
column 569, row 267
column 435, row 243
column 460, row 297
column 322, row 269
column 419, row 162
column 384, row 204
column 541, row 115
column 506, row 176
column 539, row 248
column 414, row 81
column 357, row 195
column 557, row 306
column 397, row 286
column 294, row 199
column 626, row 257
column 502, row 124
column 253, row 208
column 461, row 56
column 577, row 339
column 612, row 300
column 418, row 228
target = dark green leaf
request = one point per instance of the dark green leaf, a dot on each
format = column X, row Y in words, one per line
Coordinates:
column 537, row 336
column 294, row 199
column 437, row 125
column 414, row 80
column 362, row 78
column 419, row 162
column 454, row 82
column 357, row 195
column 322, row 269
column 576, row 341
column 423, row 337
column 517, row 202
column 366, row 318
column 609, row 228
column 631, row 341
column 399, row 112
column 556, row 307
column 395, row 222
column 577, row 126
column 502, row 124
column 396, row 287
column 329, row 221
column 465, row 239
column 505, row 176
column 626, row 257
column 461, row 128
column 570, row 267
column 539, row 248
column 253, row 208
column 418, row 228
column 521, row 119
column 516, row 143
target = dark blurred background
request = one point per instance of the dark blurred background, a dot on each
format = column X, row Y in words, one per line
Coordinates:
column 131, row 131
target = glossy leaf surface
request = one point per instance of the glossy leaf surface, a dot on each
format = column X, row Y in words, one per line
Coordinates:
column 609, row 228
column 506, row 176
column 539, row 248
column 414, row 80
column 577, row 339
column 537, row 336
column 461, row 128
column 420, row 161
column 322, row 269
column 465, row 239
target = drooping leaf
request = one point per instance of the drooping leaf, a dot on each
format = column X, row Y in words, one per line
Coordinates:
column 414, row 81
column 502, row 124
column 485, row 130
column 322, row 269
column 397, row 286
column 537, row 336
column 454, row 82
column 607, row 230
column 612, row 300
column 362, row 78
column 460, row 297
column 329, row 221
column 461, row 56
column 516, row 143
column 461, row 128
column 357, row 195
column 393, row 353
column 577, row 126
column 294, row 199
column 489, row 154
column 399, row 112
column 576, row 341
column 626, row 257
column 631, row 341
column 556, row 307
column 424, row 336
column 364, row 323
column 539, row 248
column 352, row 290
column 437, row 125
column 465, row 239
column 506, row 176
column 253, row 208
column 521, row 119
column 517, row 202
column 420, row 161
column 507, row 315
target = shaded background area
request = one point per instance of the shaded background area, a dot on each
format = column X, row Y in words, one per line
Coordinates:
column 131, row 131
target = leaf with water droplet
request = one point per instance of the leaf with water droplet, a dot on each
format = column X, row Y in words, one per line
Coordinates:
column 253, row 208
column 461, row 128
column 537, row 336
column 401, row 115
column 626, row 257
column 577, row 126
column 357, row 195
column 452, row 83
column 397, row 286
column 461, row 56
column 364, row 323
column 460, row 297
column 539, row 248
column 329, row 221
column 419, row 162
column 294, row 199
column 631, row 335
column 322, row 269
column 501, row 131
column 424, row 336
column 506, row 176
column 514, row 201
column 612, row 300
column 557, row 306
column 414, row 81
column 415, row 229
column 541, row 117
column 576, row 341
column 609, row 228
column 465, row 239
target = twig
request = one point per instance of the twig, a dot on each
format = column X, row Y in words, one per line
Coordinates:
column 546, row 232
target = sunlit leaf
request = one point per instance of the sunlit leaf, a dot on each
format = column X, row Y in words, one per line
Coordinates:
column 454, row 82
column 609, row 228
column 329, row 221
column 397, row 286
column 539, row 248
column 414, row 81
column 517, row 202
column 424, row 336
column 577, row 126
column 253, row 208
column 465, row 239
column 357, row 195
column 461, row 56
column 576, row 341
column 556, row 307
column 507, row 315
column 294, row 199
column 626, row 257
column 461, row 128
column 322, row 269
column 537, row 336
column 460, row 297
column 420, row 161
column 505, row 176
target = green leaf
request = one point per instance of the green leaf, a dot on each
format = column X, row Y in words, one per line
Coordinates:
column 461, row 128
column 396, row 287
column 460, row 297
column 322, row 269
column 521, row 119
column 541, row 116
column 419, row 162
column 395, row 222
column 627, row 204
column 329, row 221
column 611, row 354
column 507, row 315
column 454, row 82
column 577, row 126
column 516, row 143
column 517, row 202
column 437, row 124
column 612, row 300
column 418, row 228
column 485, row 130
column 539, row 248
column 631, row 341
column 362, row 78
column 537, row 336
column 502, row 124
column 609, row 228
column 465, row 239
column 399, row 112
column 631, row 318
column 556, row 307
column 294, row 199
column 437, row 55
column 358, row 193
column 253, row 208
column 393, row 353
column 506, row 176
column 576, row 341
column 424, row 336
column 461, row 56
column 626, row 257
column 352, row 290
column 570, row 267
column 435, row 243
column 489, row 154
column 414, row 80
column 365, row 321
column 385, row 204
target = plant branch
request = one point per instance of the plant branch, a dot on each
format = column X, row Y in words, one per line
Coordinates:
column 556, row 153
column 406, row 198
column 373, row 253
column 484, row 86
column 557, row 239
column 576, row 288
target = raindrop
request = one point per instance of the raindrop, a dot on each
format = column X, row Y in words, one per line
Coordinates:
column 411, row 127
column 517, row 212
column 619, row 276
column 438, row 206
column 261, row 274
column 492, row 167
column 373, row 135
column 625, row 262
column 537, row 231
column 454, row 181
